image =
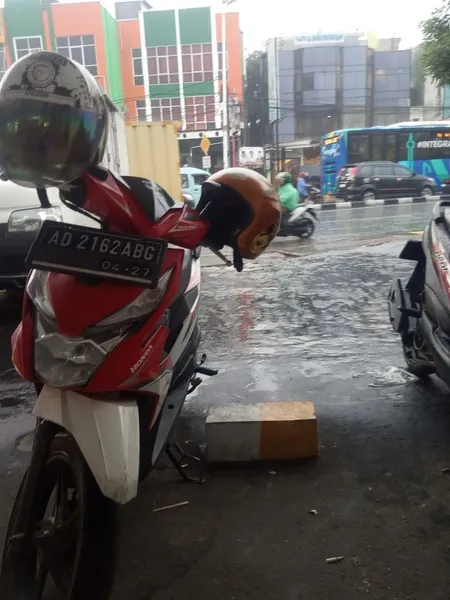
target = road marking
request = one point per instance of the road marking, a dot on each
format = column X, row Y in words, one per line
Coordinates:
column 415, row 233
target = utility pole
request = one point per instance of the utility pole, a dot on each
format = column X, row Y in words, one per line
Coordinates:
column 277, row 132
column 225, row 127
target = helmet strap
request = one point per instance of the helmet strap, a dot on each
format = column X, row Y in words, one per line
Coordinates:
column 238, row 263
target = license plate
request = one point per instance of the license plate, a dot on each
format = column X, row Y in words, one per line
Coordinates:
column 342, row 185
column 71, row 249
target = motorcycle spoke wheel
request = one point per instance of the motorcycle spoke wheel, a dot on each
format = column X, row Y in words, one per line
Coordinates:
column 69, row 538
column 49, row 558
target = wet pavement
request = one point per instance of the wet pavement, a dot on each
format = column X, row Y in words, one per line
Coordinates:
column 306, row 321
column 344, row 224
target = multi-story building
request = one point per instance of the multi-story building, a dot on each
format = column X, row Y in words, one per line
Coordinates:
column 323, row 82
column 177, row 69
column 85, row 31
column 154, row 64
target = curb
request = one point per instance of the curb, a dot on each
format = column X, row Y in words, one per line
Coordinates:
column 265, row 431
column 376, row 202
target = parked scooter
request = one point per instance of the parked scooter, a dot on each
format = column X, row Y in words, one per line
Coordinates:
column 419, row 309
column 299, row 223
column 109, row 331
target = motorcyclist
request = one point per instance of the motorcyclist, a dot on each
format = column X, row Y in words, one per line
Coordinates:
column 302, row 186
column 288, row 195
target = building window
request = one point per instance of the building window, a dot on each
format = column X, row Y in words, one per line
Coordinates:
column 200, row 112
column 141, row 110
column 307, row 82
column 197, row 62
column 162, row 64
column 126, row 11
column 2, row 60
column 138, row 75
column 26, row 45
column 166, row 109
column 220, row 55
column 80, row 48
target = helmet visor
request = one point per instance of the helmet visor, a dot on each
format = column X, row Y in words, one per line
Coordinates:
column 44, row 143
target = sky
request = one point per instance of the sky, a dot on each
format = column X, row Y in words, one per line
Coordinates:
column 294, row 17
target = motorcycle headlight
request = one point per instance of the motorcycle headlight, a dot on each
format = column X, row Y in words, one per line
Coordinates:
column 65, row 361
column 31, row 219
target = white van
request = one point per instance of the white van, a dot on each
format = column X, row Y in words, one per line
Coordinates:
column 192, row 180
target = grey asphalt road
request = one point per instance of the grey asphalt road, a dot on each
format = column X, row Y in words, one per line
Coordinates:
column 306, row 321
column 373, row 220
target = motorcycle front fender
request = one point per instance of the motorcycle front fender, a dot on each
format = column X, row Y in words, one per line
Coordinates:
column 107, row 433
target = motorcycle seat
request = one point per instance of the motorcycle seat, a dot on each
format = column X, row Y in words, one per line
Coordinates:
column 153, row 200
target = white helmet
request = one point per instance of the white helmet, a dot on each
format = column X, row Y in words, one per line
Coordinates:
column 53, row 121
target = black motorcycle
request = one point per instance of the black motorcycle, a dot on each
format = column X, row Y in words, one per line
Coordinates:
column 420, row 308
column 314, row 194
column 300, row 222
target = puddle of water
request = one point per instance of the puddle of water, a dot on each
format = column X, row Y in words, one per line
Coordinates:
column 25, row 442
column 393, row 376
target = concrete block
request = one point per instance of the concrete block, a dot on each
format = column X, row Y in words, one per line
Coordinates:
column 264, row 431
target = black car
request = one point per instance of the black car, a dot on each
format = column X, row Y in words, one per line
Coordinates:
column 369, row 180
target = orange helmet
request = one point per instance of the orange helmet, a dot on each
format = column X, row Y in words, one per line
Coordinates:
column 244, row 211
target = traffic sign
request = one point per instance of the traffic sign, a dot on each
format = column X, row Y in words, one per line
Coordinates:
column 205, row 144
column 206, row 161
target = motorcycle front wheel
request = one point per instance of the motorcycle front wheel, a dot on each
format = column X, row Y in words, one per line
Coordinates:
column 306, row 230
column 67, row 548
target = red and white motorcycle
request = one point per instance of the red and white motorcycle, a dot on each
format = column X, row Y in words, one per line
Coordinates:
column 110, row 335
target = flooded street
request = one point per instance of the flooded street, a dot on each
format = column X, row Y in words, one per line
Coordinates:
column 305, row 322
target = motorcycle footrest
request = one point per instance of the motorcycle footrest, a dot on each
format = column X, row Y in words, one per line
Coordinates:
column 206, row 371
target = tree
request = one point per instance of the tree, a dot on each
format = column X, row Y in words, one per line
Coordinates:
column 256, row 98
column 436, row 44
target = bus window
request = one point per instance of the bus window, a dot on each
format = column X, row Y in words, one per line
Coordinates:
column 358, row 147
column 402, row 149
column 390, row 147
column 378, row 147
column 383, row 146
